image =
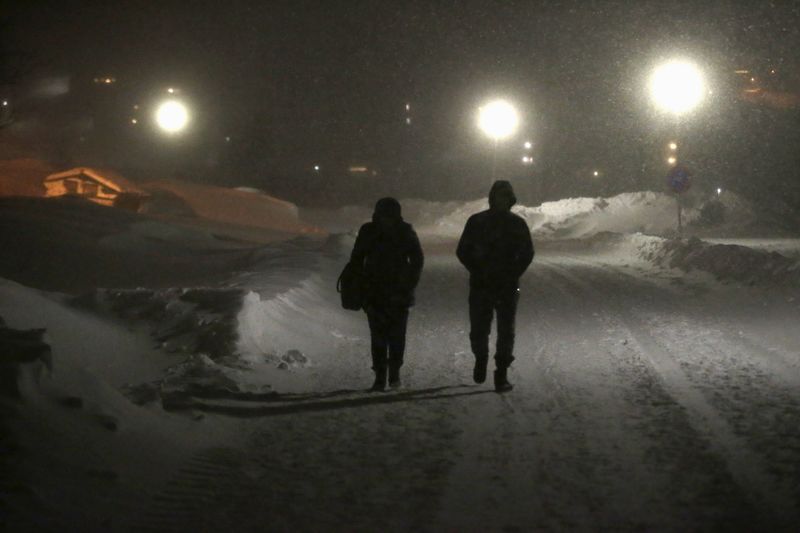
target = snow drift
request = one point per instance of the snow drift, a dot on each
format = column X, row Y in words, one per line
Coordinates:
column 644, row 212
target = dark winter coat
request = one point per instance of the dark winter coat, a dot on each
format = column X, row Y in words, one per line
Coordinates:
column 496, row 248
column 391, row 260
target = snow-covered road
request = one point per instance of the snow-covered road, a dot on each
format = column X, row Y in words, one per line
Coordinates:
column 642, row 401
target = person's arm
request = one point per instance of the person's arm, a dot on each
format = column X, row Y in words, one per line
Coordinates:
column 360, row 248
column 466, row 246
column 416, row 259
column 525, row 250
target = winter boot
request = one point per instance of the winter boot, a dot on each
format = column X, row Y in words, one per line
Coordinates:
column 394, row 377
column 479, row 372
column 501, row 383
column 380, row 380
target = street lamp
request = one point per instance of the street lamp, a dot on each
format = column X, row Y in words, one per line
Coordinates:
column 172, row 116
column 677, row 86
column 498, row 120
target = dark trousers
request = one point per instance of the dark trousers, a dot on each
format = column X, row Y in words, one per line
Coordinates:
column 483, row 304
column 387, row 328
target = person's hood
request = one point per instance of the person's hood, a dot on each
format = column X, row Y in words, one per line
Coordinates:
column 501, row 188
column 387, row 207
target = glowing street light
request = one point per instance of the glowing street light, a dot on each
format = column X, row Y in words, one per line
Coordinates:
column 172, row 116
column 498, row 120
column 677, row 87
column 672, row 160
column 527, row 145
column 673, row 146
column 595, row 173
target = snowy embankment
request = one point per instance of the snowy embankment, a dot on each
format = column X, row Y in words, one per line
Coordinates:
column 645, row 212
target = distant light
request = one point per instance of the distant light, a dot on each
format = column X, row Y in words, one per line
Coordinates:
column 136, row 106
column 673, row 146
column 595, row 173
column 525, row 159
column 498, row 119
column 134, row 121
column 171, row 90
column 742, row 71
column 359, row 169
column 172, row 116
column 772, row 71
column 677, row 86
column 227, row 138
column 5, row 103
column 753, row 80
column 408, row 120
column 719, row 191
column 527, row 145
column 672, row 160
column 316, row 168
column 408, row 107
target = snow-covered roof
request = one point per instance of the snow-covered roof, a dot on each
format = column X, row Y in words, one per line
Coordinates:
column 105, row 177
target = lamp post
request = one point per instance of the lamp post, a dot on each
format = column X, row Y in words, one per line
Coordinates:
column 498, row 120
column 677, row 87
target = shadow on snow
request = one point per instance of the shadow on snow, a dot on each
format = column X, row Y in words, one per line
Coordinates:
column 305, row 403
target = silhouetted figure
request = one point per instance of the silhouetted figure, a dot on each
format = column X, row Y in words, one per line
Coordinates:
column 388, row 253
column 496, row 248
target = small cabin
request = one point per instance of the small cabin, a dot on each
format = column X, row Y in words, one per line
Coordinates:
column 103, row 187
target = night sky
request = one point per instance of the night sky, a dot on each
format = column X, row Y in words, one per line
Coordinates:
column 296, row 83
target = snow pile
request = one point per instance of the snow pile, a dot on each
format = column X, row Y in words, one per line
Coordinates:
column 639, row 212
column 570, row 218
column 78, row 443
column 282, row 329
column 189, row 321
column 240, row 207
column 727, row 262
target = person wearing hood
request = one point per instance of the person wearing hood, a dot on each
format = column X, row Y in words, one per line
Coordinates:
column 388, row 255
column 496, row 249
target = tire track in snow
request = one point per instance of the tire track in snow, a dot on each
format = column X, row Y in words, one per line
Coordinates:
column 745, row 465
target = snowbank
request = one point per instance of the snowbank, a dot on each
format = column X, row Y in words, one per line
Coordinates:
column 241, row 207
column 81, row 452
column 727, row 262
column 570, row 218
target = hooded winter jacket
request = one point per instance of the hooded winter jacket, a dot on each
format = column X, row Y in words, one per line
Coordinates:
column 388, row 253
column 496, row 244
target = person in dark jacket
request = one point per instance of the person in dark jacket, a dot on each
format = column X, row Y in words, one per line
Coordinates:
column 388, row 254
column 496, row 249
